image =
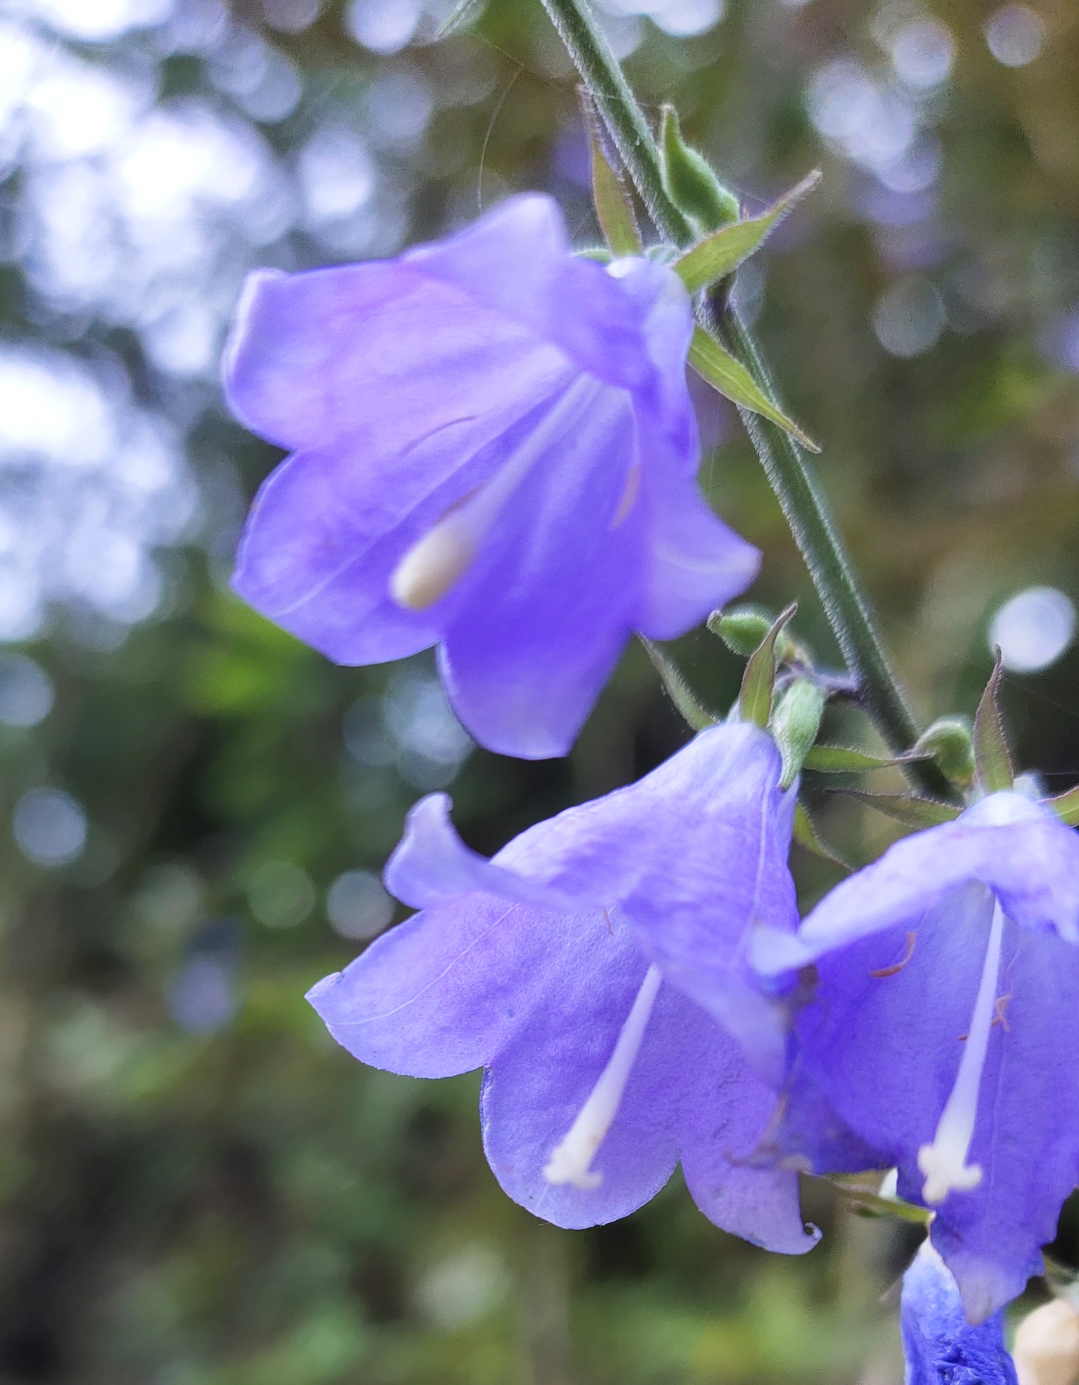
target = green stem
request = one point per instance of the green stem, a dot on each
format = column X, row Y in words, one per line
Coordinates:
column 790, row 472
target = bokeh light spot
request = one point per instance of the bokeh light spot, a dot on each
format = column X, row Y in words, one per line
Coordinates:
column 49, row 827
column 1033, row 629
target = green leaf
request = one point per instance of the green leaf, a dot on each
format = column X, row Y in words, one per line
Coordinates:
column 733, row 380
column 694, row 713
column 838, row 759
column 795, row 724
column 758, row 682
column 1066, row 806
column 906, row 808
column 805, row 834
column 864, row 1200
column 614, row 208
column 724, row 251
column 992, row 758
column 689, row 180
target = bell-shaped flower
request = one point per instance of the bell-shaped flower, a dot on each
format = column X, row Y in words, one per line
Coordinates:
column 596, row 969
column 939, row 1025
column 940, row 1346
column 493, row 450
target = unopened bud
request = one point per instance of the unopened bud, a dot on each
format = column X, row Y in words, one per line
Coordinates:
column 795, row 724
column 690, row 182
column 951, row 744
column 1046, row 1349
column 743, row 630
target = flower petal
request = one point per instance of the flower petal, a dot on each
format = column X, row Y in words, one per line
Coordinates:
column 447, row 989
column 548, row 606
column 940, row 1346
column 882, row 1044
column 539, row 1081
column 726, row 1111
column 1032, row 865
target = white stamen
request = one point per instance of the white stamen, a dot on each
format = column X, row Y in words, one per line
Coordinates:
column 944, row 1162
column 571, row 1161
column 431, row 567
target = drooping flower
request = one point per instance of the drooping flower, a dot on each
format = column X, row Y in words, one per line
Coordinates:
column 493, row 450
column 572, row 967
column 941, row 1034
column 940, row 1346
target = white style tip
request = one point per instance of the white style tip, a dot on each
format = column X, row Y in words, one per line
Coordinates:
column 571, row 1159
column 945, row 1172
column 433, row 565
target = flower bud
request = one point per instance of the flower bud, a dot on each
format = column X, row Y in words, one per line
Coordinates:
column 951, row 744
column 690, row 182
column 795, row 724
column 1046, row 1349
column 743, row 630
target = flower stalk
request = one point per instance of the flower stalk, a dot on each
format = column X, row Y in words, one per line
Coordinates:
column 790, row 473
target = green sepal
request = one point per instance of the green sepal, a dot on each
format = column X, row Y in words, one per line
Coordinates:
column 743, row 629
column 873, row 1205
column 805, row 834
column 759, row 680
column 838, row 759
column 689, row 180
column 950, row 743
column 992, row 759
column 693, row 712
column 910, row 809
column 720, row 254
column 1066, row 806
column 611, row 199
column 734, row 382
column 795, row 724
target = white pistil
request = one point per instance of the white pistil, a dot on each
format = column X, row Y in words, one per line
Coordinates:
column 944, row 1162
column 432, row 566
column 571, row 1161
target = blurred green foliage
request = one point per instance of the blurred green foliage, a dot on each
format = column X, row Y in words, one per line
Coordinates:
column 196, row 1186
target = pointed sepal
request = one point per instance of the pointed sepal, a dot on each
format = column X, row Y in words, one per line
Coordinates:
column 721, row 253
column 993, row 762
column 795, row 724
column 1066, row 806
column 734, row 382
column 840, row 759
column 808, row 838
column 610, row 196
column 910, row 809
column 689, row 180
column 759, row 680
column 693, row 712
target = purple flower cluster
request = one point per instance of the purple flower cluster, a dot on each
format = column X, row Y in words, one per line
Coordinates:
column 493, row 451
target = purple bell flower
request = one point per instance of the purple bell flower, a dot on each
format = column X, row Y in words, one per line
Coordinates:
column 493, row 450
column 596, row 969
column 941, row 1032
column 939, row 1344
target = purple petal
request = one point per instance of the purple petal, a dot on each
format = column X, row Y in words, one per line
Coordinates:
column 882, row 1046
column 446, row 990
column 940, row 1347
column 1031, row 863
column 726, row 1112
column 697, row 563
column 547, row 609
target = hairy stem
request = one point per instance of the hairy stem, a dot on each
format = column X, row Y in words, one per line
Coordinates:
column 790, row 472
